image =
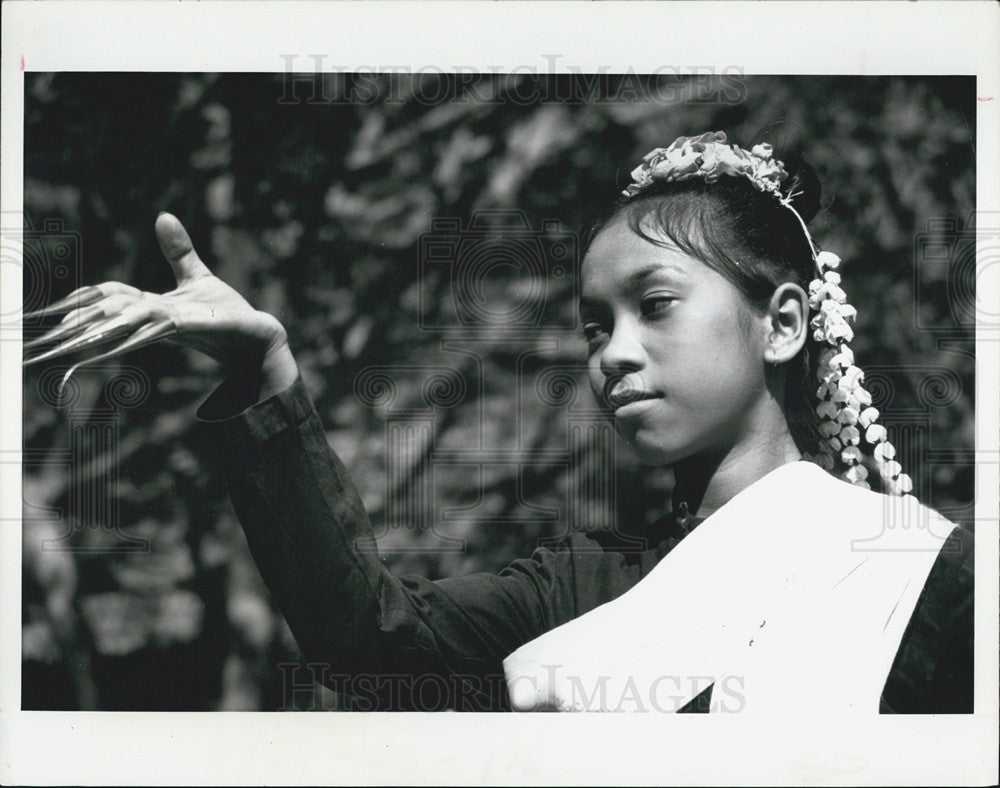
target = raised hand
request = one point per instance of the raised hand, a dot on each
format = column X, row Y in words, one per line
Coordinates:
column 202, row 312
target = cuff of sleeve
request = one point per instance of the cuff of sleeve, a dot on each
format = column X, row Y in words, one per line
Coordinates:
column 231, row 409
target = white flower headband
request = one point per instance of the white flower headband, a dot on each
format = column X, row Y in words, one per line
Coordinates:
column 845, row 406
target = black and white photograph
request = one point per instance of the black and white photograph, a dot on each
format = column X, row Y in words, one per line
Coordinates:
column 350, row 381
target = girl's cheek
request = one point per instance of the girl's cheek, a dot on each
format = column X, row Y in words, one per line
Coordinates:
column 595, row 377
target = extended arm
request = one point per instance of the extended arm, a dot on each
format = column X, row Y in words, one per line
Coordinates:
column 304, row 521
column 312, row 542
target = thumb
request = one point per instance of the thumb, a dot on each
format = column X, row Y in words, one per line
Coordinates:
column 177, row 248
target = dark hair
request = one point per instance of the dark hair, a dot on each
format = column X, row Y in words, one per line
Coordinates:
column 750, row 238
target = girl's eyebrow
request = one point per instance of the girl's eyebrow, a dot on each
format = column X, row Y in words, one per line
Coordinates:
column 637, row 277
column 640, row 275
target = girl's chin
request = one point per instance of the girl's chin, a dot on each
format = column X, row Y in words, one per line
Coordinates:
column 653, row 450
column 657, row 458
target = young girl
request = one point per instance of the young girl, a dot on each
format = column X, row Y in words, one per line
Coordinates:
column 718, row 341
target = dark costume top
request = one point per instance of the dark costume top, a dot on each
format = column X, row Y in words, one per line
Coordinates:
column 404, row 642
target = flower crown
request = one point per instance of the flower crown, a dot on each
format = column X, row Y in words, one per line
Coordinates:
column 844, row 405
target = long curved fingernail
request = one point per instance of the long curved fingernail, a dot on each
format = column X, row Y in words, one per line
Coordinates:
column 55, row 334
column 144, row 336
column 83, row 296
column 152, row 332
column 94, row 336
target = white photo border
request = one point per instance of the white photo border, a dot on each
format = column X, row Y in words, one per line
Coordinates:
column 898, row 38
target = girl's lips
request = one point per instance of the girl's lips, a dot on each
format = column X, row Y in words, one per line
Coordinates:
column 636, row 407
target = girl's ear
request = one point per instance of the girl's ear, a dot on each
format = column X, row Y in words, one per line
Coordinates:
column 787, row 321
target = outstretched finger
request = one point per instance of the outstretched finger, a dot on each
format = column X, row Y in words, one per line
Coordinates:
column 103, row 309
column 81, row 297
column 178, row 249
column 80, row 319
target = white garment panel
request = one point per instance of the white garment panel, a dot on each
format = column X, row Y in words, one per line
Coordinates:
column 782, row 597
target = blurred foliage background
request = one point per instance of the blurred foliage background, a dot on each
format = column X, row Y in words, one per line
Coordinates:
column 319, row 198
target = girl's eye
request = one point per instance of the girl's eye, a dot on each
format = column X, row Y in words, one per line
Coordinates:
column 592, row 331
column 653, row 306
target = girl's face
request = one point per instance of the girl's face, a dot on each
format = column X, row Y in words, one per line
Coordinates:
column 675, row 352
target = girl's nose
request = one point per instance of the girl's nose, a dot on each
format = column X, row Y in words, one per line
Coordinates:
column 624, row 352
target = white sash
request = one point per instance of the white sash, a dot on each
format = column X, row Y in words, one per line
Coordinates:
column 794, row 595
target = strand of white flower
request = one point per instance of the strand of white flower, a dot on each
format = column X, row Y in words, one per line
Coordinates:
column 840, row 435
column 841, row 405
column 843, row 436
column 786, row 201
column 842, row 397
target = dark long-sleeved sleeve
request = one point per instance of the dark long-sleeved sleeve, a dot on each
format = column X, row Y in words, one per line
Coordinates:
column 405, row 642
column 312, row 542
column 933, row 669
